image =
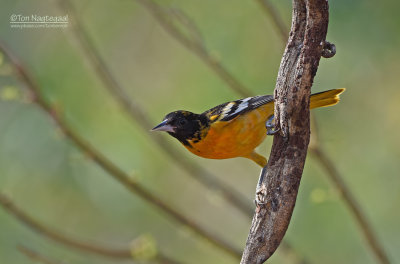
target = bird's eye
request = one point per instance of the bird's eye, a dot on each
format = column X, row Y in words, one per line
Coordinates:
column 182, row 122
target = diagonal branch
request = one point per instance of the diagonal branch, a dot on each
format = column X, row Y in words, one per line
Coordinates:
column 280, row 179
column 109, row 166
column 194, row 46
column 35, row 256
column 277, row 20
column 138, row 115
column 56, row 236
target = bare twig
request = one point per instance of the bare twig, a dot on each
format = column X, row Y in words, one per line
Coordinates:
column 194, row 45
column 109, row 166
column 277, row 20
column 188, row 23
column 279, row 181
column 56, row 236
column 35, row 256
column 354, row 206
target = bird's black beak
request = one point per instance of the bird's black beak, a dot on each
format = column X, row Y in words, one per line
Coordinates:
column 164, row 126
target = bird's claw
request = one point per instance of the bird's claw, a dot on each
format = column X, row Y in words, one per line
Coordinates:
column 270, row 125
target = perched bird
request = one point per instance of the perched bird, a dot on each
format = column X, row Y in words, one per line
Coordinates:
column 233, row 129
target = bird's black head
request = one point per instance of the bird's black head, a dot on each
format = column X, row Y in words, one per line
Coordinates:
column 183, row 125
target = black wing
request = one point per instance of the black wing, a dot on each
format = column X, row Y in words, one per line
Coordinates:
column 230, row 110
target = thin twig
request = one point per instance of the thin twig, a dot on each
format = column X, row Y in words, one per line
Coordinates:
column 188, row 23
column 138, row 115
column 109, row 166
column 74, row 243
column 352, row 203
column 194, row 45
column 280, row 179
column 277, row 20
column 35, row 256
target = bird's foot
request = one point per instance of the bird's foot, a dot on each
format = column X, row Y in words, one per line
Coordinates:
column 270, row 125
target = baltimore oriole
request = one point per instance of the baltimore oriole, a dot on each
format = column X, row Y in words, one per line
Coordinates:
column 233, row 129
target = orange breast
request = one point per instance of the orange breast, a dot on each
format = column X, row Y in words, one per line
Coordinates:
column 234, row 138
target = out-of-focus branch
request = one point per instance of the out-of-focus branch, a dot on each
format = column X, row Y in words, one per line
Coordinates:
column 366, row 228
column 280, row 179
column 26, row 219
column 35, row 256
column 139, row 115
column 166, row 21
column 277, row 20
column 109, row 166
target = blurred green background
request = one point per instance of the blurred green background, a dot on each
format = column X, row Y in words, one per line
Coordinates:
column 47, row 176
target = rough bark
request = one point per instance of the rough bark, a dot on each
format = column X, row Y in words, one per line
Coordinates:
column 280, row 180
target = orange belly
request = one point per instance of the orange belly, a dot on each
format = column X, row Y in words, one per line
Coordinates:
column 234, row 138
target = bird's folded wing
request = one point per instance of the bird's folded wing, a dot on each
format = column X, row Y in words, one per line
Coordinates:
column 230, row 110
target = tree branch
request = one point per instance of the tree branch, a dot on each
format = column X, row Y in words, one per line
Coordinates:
column 35, row 256
column 109, row 166
column 120, row 254
column 322, row 158
column 194, row 45
column 280, row 180
column 277, row 20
